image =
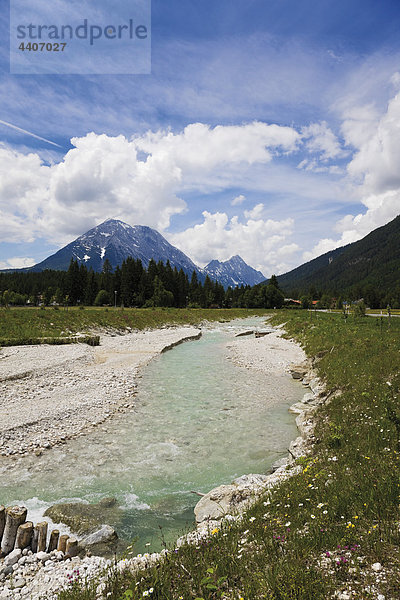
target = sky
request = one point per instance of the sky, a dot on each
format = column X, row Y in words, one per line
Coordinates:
column 264, row 128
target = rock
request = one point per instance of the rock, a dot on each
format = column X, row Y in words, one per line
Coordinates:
column 19, row 583
column 298, row 408
column 242, row 333
column 216, row 503
column 108, row 502
column 43, row 556
column 309, row 397
column 252, row 480
column 282, row 462
column 13, row 557
column 83, row 519
column 298, row 371
column 101, row 542
column 227, row 498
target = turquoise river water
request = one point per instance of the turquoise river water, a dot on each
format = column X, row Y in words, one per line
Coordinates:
column 199, row 421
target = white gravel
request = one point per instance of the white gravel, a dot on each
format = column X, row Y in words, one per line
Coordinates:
column 270, row 354
column 49, row 394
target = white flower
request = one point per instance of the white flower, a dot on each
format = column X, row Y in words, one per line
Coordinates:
column 325, row 512
column 252, row 519
column 287, row 524
column 312, row 516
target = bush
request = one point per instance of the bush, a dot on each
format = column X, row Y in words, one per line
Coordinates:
column 102, row 298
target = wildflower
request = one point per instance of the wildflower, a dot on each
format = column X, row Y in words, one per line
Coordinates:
column 252, row 519
column 214, row 531
column 287, row 524
column 312, row 516
column 324, row 512
column 320, row 505
column 301, row 504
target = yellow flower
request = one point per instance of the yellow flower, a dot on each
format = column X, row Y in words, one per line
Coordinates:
column 214, row 531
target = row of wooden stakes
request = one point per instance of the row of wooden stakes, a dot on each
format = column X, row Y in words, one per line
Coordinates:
column 17, row 532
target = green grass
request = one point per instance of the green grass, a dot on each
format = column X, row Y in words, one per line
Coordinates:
column 28, row 325
column 341, row 509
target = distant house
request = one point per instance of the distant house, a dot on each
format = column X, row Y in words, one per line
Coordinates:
column 292, row 302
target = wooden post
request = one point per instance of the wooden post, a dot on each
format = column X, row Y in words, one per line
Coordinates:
column 53, row 540
column 62, row 542
column 15, row 516
column 2, row 520
column 72, row 547
column 40, row 537
column 24, row 535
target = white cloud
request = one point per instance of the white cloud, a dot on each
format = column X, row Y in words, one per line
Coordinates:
column 375, row 173
column 254, row 212
column 238, row 200
column 102, row 175
column 261, row 243
column 323, row 141
column 17, row 262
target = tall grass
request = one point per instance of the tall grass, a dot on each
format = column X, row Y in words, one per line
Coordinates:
column 20, row 324
column 322, row 530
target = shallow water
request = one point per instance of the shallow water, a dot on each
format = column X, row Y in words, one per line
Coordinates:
column 199, row 421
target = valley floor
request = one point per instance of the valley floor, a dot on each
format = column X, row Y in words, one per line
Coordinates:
column 52, row 393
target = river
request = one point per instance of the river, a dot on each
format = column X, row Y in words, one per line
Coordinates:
column 199, row 421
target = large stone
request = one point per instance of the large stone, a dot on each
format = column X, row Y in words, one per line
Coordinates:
column 83, row 519
column 101, row 542
column 215, row 504
column 228, row 499
column 253, row 480
column 13, row 557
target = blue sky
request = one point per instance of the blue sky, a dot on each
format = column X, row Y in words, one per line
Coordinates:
column 266, row 128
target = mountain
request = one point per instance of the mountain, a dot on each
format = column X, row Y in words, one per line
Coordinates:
column 306, row 272
column 233, row 272
column 370, row 263
column 116, row 241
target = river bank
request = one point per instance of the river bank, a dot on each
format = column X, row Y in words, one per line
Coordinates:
column 50, row 394
column 271, row 354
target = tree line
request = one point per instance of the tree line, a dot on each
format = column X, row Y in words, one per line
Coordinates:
column 131, row 285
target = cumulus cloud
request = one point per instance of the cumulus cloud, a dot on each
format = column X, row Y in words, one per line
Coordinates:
column 321, row 140
column 138, row 180
column 261, row 243
column 254, row 212
column 373, row 172
column 17, row 262
column 238, row 200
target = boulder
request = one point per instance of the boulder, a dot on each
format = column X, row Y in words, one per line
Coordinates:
column 102, row 542
column 226, row 499
column 82, row 518
column 215, row 504
column 13, row 557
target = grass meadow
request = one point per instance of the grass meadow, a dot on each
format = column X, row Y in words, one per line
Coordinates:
column 333, row 527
